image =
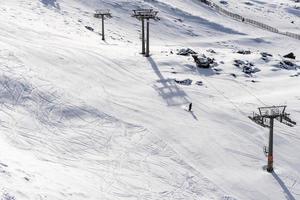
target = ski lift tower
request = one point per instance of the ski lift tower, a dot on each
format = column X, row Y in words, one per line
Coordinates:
column 142, row 15
column 271, row 113
column 103, row 14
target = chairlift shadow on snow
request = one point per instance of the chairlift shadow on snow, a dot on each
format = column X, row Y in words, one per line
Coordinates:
column 168, row 89
column 51, row 3
column 288, row 194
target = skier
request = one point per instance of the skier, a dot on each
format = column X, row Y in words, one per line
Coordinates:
column 190, row 107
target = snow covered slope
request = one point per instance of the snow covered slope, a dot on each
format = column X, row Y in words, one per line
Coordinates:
column 282, row 14
column 86, row 119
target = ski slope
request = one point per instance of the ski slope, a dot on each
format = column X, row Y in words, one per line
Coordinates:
column 86, row 119
column 282, row 14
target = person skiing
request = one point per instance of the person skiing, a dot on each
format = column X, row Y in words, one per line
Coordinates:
column 190, row 107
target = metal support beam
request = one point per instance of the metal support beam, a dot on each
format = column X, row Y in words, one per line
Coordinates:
column 271, row 113
column 143, row 36
column 142, row 15
column 148, row 42
column 103, row 34
column 270, row 152
column 103, row 14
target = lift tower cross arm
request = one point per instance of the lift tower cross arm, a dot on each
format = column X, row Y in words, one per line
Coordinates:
column 271, row 113
column 103, row 14
column 142, row 15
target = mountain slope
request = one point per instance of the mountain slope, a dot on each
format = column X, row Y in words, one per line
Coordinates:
column 85, row 119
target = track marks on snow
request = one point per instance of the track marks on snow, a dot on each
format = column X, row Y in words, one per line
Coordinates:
column 126, row 159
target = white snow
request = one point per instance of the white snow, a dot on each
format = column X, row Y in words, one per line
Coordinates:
column 86, row 119
column 282, row 14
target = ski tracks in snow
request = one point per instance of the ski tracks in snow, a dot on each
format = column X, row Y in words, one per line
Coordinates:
column 128, row 161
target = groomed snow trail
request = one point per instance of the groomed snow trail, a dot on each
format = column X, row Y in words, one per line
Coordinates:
column 85, row 119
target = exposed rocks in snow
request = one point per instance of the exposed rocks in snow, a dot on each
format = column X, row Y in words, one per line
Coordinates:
column 250, row 69
column 217, row 69
column 188, row 82
column 7, row 196
column 89, row 28
column 186, row 52
column 203, row 61
column 211, row 51
column 249, row 3
column 240, row 63
column 244, row 52
column 290, row 55
column 184, row 82
column 233, row 75
column 287, row 64
column 266, row 56
column 224, row 2
column 200, row 83
column 246, row 66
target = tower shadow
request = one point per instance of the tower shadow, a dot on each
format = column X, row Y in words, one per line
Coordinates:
column 288, row 194
column 51, row 3
column 167, row 88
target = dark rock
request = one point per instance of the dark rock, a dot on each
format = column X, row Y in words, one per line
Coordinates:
column 250, row 69
column 200, row 83
column 290, row 55
column 244, row 52
column 217, row 69
column 184, row 82
column 246, row 66
column 238, row 63
column 186, row 52
column 203, row 61
column 287, row 64
column 89, row 28
column 265, row 54
column 234, row 75
column 249, row 3
column 211, row 51
column 224, row 2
